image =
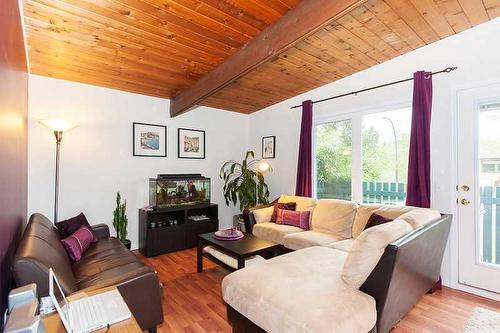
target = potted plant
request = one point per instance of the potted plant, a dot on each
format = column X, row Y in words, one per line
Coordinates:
column 120, row 221
column 244, row 182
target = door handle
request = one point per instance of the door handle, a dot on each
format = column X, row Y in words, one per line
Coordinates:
column 465, row 202
column 465, row 188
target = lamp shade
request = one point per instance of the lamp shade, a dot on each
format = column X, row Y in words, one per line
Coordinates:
column 263, row 166
column 58, row 125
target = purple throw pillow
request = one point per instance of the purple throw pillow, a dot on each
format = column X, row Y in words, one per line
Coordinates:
column 376, row 219
column 296, row 218
column 281, row 206
column 76, row 243
column 69, row 226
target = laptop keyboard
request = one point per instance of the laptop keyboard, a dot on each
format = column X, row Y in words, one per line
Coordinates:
column 88, row 314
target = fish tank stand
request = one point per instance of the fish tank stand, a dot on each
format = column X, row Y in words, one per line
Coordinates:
column 175, row 228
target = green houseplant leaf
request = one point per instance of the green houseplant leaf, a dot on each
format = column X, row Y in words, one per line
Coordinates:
column 243, row 183
column 120, row 220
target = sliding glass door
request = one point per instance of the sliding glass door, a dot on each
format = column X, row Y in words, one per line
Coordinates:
column 385, row 146
column 334, row 160
column 364, row 157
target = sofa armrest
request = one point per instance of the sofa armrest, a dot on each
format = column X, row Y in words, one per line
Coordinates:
column 142, row 290
column 249, row 219
column 409, row 267
column 101, row 231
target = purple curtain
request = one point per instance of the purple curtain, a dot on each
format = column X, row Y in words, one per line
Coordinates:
column 418, row 190
column 303, row 185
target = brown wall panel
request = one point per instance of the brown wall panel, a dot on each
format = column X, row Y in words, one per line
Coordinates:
column 13, row 139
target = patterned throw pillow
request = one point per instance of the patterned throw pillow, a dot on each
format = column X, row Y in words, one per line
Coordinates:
column 376, row 219
column 282, row 206
column 69, row 226
column 77, row 243
column 296, row 218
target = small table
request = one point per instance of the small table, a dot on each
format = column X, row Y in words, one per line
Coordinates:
column 53, row 323
column 239, row 249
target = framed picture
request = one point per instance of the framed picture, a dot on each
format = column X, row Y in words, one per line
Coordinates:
column 269, row 147
column 191, row 143
column 149, row 140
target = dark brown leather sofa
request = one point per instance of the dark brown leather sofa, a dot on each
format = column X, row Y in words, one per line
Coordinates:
column 106, row 263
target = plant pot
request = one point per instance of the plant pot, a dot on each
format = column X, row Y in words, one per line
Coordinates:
column 127, row 243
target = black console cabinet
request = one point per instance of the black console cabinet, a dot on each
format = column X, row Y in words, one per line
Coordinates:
column 168, row 230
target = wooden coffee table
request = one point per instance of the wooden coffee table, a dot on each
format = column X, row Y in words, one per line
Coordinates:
column 240, row 249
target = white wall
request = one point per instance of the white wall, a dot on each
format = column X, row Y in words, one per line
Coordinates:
column 97, row 159
column 476, row 52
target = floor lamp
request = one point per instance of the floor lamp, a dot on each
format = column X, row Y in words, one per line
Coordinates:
column 58, row 126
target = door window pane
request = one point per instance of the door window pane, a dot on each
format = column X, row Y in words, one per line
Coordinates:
column 334, row 160
column 385, row 146
column 489, row 180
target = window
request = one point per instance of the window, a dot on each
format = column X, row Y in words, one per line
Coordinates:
column 385, row 146
column 364, row 158
column 333, row 160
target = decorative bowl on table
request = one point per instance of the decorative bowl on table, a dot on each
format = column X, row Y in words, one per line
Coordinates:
column 228, row 234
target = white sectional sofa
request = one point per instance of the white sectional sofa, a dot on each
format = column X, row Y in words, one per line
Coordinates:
column 334, row 223
column 340, row 278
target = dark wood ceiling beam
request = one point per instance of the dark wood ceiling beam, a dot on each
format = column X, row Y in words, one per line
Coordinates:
column 299, row 23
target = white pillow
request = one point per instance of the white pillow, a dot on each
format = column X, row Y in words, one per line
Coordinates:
column 419, row 217
column 303, row 203
column 334, row 217
column 263, row 215
column 363, row 213
column 393, row 212
column 368, row 249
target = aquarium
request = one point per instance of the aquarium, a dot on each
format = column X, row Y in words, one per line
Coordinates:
column 173, row 190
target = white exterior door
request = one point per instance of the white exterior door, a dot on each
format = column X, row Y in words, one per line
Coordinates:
column 478, row 190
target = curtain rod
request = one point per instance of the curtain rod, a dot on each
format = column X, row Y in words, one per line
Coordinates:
column 446, row 70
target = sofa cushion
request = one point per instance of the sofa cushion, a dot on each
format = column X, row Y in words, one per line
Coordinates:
column 343, row 245
column 303, row 203
column 375, row 220
column 69, row 226
column 280, row 207
column 419, row 217
column 77, row 243
column 368, row 249
column 393, row 211
column 103, row 260
column 263, row 214
column 300, row 240
column 334, row 216
column 301, row 291
column 364, row 212
column 39, row 250
column 274, row 232
column 295, row 218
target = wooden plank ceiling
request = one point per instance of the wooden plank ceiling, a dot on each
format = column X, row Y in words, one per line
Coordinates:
column 161, row 47
column 152, row 47
column 372, row 33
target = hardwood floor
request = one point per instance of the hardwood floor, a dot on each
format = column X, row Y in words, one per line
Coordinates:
column 193, row 302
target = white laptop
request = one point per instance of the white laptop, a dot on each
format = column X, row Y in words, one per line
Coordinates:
column 89, row 313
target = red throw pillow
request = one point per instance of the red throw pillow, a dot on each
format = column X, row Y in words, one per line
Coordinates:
column 281, row 206
column 296, row 218
column 376, row 219
column 77, row 243
column 69, row 226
